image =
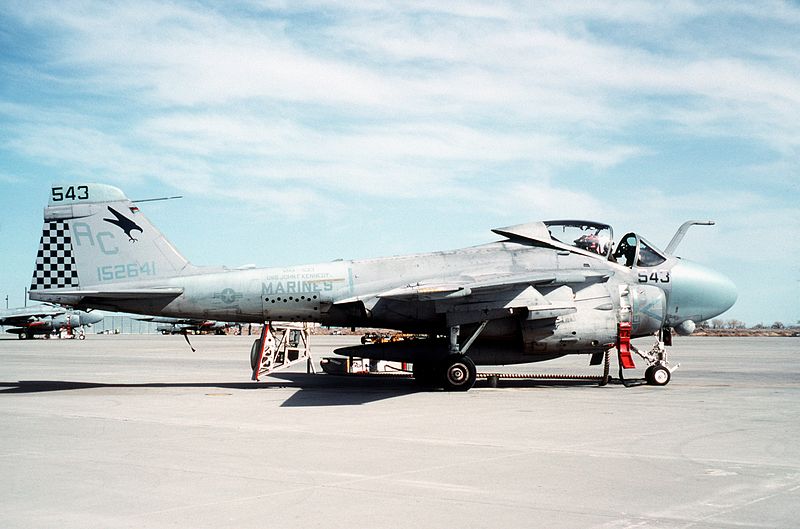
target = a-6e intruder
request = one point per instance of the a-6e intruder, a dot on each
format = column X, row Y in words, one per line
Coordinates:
column 545, row 290
column 44, row 320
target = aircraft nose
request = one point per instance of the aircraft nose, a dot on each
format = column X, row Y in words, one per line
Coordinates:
column 698, row 293
column 90, row 318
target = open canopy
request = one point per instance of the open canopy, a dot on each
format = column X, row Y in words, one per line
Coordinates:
column 589, row 236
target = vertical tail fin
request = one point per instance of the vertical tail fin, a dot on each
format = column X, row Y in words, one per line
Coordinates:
column 94, row 235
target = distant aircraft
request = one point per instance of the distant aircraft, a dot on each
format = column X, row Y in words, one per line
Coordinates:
column 545, row 290
column 183, row 325
column 45, row 319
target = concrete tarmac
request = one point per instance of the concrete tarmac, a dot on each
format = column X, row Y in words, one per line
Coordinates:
column 137, row 431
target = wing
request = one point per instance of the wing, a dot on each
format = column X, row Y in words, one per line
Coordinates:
column 494, row 283
column 474, row 300
column 22, row 317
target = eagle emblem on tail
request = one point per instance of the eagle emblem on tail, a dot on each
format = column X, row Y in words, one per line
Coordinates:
column 124, row 223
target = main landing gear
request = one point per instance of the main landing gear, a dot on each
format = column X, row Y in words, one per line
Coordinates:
column 454, row 372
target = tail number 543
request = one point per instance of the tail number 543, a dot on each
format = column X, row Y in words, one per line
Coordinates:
column 59, row 194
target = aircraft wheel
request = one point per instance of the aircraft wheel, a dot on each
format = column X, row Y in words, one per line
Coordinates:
column 459, row 373
column 254, row 350
column 648, row 374
column 659, row 376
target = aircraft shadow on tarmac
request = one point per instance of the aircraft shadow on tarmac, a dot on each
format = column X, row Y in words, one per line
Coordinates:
column 314, row 390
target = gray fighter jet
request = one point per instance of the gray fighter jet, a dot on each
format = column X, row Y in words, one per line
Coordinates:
column 544, row 290
column 184, row 325
column 26, row 322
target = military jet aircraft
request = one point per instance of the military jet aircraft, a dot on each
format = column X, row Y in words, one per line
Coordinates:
column 27, row 322
column 184, row 325
column 544, row 290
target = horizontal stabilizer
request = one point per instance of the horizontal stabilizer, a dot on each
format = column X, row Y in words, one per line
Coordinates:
column 108, row 299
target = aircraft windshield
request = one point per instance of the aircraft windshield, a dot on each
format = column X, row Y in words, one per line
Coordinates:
column 633, row 249
column 589, row 236
column 648, row 256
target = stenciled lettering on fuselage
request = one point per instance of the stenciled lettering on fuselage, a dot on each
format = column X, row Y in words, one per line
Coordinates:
column 295, row 287
column 305, row 280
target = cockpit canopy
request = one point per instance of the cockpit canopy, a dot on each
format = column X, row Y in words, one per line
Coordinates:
column 588, row 236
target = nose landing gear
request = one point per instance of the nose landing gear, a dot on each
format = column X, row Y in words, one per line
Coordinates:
column 659, row 373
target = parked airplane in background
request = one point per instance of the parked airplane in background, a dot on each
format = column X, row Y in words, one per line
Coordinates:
column 184, row 325
column 45, row 319
column 547, row 289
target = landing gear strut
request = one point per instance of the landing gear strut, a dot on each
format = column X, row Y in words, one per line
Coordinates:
column 660, row 372
column 456, row 371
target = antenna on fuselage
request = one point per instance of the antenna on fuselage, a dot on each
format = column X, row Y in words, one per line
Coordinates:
column 156, row 199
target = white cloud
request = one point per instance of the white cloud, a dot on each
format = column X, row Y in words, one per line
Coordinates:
column 412, row 99
column 10, row 178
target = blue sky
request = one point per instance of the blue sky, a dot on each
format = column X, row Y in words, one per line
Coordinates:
column 309, row 131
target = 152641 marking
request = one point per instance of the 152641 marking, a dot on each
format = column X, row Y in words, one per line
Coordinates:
column 126, row 271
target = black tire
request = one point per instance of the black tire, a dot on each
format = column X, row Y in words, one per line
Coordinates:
column 660, row 376
column 648, row 374
column 458, row 373
column 254, row 350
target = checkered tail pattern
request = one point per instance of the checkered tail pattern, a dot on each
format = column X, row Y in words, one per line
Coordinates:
column 55, row 263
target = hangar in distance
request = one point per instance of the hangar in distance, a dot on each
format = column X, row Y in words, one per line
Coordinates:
column 544, row 290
